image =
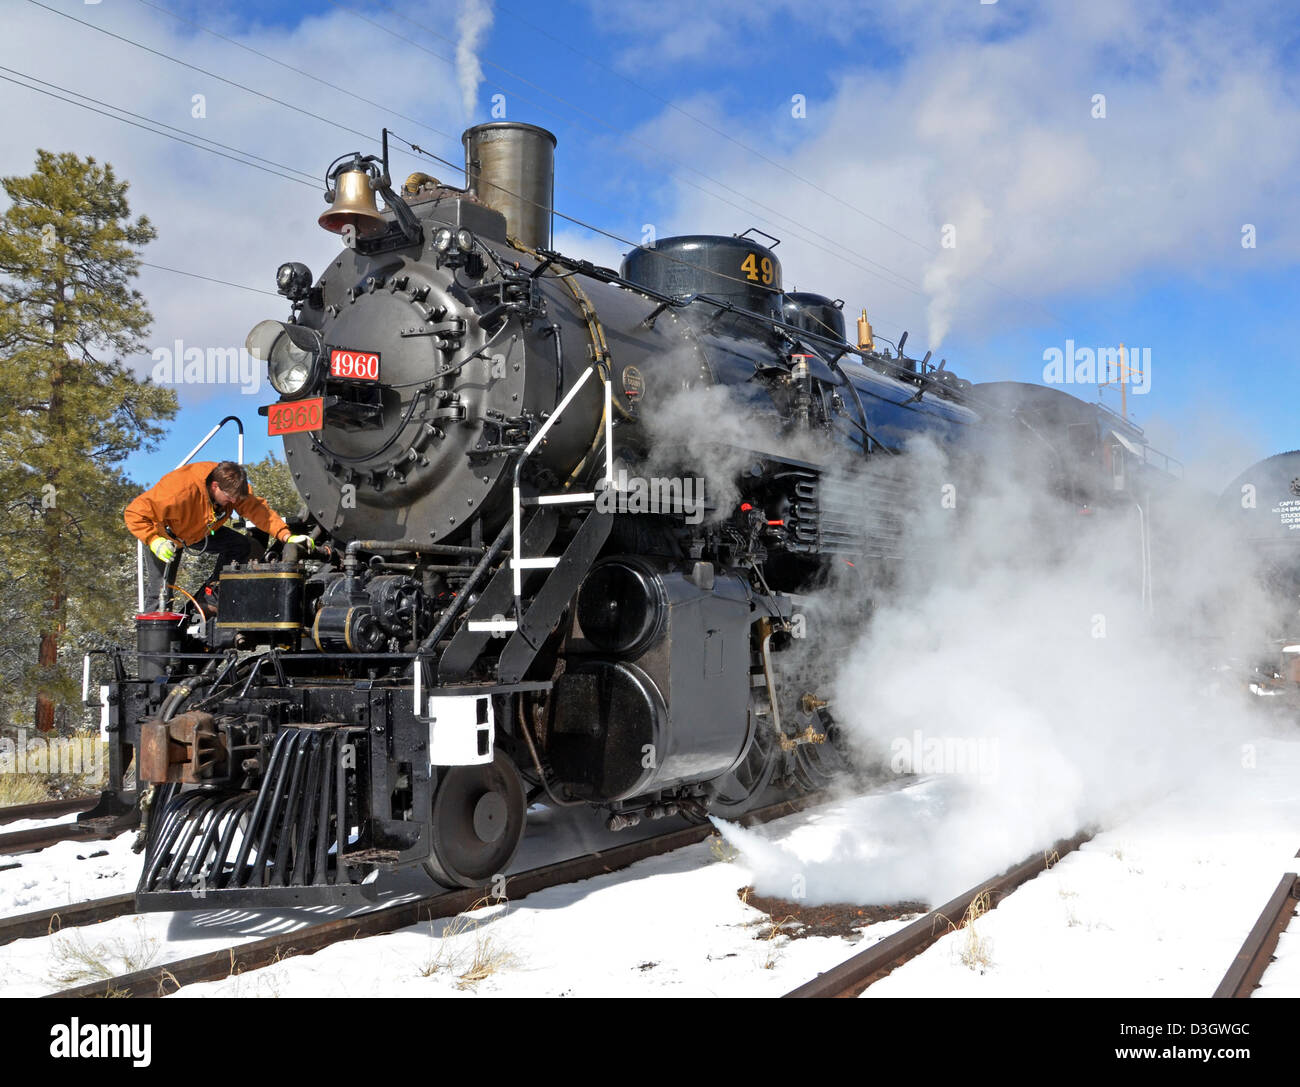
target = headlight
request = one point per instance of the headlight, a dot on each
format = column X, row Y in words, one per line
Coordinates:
column 441, row 239
column 293, row 280
column 292, row 355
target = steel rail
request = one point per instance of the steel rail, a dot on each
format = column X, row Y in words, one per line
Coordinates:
column 46, row 922
column 1256, row 953
column 30, row 841
column 46, row 809
column 854, row 975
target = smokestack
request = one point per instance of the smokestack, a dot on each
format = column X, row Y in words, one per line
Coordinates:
column 511, row 167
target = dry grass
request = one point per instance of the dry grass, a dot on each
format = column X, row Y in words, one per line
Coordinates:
column 975, row 951
column 1071, row 918
column 486, row 958
column 57, row 754
column 77, row 962
column 22, row 789
column 775, row 929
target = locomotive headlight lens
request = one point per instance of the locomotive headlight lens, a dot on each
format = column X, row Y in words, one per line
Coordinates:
column 293, row 280
column 464, row 240
column 292, row 355
column 442, row 240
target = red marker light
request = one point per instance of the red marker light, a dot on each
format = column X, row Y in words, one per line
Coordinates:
column 745, row 507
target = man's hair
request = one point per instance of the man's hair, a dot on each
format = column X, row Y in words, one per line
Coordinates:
column 230, row 477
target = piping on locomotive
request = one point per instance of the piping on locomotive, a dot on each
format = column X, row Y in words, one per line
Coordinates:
column 477, row 630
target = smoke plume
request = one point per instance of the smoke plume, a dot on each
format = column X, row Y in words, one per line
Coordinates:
column 472, row 24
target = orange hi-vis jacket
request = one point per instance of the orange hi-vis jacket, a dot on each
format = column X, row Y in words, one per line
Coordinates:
column 178, row 507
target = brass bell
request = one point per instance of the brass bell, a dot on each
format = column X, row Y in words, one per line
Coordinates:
column 354, row 205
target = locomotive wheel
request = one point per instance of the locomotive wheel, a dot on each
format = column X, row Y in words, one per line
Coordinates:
column 816, row 765
column 478, row 822
column 738, row 790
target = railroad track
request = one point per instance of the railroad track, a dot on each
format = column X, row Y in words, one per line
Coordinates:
column 1256, row 953
column 46, row 809
column 38, row 838
column 166, row 978
column 851, row 977
column 30, row 841
column 27, row 926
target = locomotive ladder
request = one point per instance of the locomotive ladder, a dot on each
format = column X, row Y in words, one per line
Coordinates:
column 529, row 626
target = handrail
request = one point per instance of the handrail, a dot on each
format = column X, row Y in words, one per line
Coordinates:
column 139, row 544
column 1148, row 453
column 517, row 559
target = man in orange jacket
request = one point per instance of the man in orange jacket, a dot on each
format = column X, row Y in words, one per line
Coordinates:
column 189, row 508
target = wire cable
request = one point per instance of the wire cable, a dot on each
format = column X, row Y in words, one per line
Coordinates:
column 146, row 128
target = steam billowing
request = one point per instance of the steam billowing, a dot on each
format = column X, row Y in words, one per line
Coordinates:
column 1013, row 657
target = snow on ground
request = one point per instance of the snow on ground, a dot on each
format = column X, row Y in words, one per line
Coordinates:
column 668, row 926
column 69, row 872
column 1155, row 905
column 1282, row 978
column 56, row 877
column 14, row 826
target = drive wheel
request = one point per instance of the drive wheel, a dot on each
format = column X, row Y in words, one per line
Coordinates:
column 478, row 822
column 739, row 790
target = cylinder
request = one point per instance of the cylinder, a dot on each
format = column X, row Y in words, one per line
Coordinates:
column 621, row 607
column 511, row 168
column 156, row 632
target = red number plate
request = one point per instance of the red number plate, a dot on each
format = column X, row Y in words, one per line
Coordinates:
column 295, row 416
column 354, row 365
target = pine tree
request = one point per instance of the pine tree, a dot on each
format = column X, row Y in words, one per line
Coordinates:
column 273, row 483
column 70, row 408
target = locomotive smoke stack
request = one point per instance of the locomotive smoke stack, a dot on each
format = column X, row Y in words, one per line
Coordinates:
column 511, row 168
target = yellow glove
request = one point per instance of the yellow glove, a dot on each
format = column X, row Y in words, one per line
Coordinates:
column 305, row 542
column 163, row 548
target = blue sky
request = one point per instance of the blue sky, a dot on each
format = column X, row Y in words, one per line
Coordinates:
column 855, row 132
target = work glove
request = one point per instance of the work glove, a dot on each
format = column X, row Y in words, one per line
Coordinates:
column 163, row 548
column 305, row 542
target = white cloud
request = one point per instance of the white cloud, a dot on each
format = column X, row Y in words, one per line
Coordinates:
column 214, row 216
column 995, row 136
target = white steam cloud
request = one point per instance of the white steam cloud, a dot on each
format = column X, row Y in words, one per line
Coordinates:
column 1014, row 660
column 473, row 22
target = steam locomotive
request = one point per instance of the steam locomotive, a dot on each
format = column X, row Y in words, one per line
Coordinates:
column 518, row 594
